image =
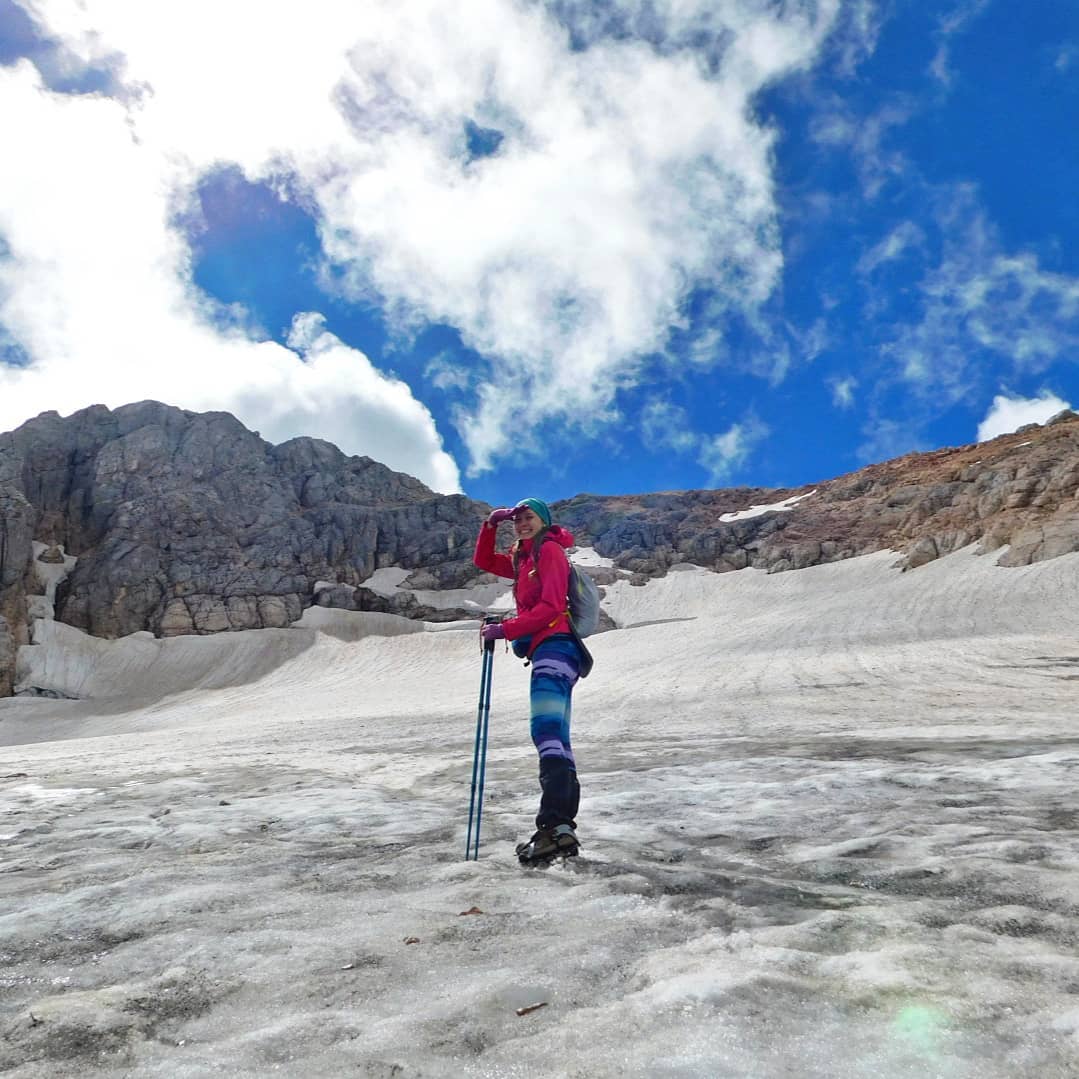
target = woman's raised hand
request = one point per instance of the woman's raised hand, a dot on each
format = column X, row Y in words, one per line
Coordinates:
column 496, row 517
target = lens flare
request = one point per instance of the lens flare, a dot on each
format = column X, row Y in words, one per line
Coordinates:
column 920, row 1027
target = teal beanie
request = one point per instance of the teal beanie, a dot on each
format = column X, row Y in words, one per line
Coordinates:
column 538, row 507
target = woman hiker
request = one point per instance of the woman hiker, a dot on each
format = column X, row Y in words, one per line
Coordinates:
column 539, row 568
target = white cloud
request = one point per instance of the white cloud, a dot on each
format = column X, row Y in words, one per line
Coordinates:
column 665, row 426
column 95, row 288
column 447, row 373
column 905, row 235
column 629, row 173
column 783, row 343
column 858, row 32
column 357, row 407
column 843, row 391
column 951, row 24
column 709, row 348
column 866, row 138
column 1013, row 306
column 1006, row 304
column 813, row 340
column 1007, row 414
column 722, row 454
column 886, row 439
column 976, row 298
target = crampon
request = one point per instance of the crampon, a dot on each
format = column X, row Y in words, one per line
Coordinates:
column 547, row 845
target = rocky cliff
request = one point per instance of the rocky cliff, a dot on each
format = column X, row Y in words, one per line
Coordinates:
column 152, row 518
column 176, row 522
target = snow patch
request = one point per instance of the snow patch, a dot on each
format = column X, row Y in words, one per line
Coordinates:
column 759, row 511
column 388, row 581
column 590, row 557
column 50, row 575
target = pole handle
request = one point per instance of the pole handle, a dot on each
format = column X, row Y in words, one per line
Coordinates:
column 490, row 620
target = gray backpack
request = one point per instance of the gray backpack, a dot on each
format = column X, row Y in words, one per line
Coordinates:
column 583, row 601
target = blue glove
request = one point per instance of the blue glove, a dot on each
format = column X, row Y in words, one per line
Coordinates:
column 496, row 517
column 494, row 632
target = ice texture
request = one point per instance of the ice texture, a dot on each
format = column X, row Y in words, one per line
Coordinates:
column 830, row 829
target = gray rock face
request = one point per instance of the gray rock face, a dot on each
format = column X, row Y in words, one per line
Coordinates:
column 189, row 523
column 7, row 657
column 16, row 555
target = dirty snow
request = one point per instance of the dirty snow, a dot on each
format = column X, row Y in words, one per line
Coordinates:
column 829, row 821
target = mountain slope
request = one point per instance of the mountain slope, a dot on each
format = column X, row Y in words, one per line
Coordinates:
column 151, row 518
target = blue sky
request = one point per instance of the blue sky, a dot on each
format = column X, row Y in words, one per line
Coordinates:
column 542, row 248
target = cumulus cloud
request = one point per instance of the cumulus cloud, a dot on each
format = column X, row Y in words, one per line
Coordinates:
column 356, row 405
column 1007, row 414
column 629, row 170
column 624, row 174
column 95, row 289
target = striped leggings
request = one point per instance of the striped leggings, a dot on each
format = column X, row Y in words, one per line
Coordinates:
column 555, row 666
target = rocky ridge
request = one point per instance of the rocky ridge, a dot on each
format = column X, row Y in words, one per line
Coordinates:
column 1019, row 490
column 152, row 518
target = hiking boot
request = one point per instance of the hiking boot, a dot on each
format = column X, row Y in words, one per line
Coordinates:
column 547, row 843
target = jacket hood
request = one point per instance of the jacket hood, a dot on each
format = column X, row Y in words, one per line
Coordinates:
column 561, row 535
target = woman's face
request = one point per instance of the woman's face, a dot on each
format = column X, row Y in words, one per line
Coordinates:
column 526, row 523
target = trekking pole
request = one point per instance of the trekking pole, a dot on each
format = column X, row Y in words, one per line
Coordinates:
column 479, row 753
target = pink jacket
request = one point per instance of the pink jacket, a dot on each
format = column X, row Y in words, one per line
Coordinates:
column 542, row 603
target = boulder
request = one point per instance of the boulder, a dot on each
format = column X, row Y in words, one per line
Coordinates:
column 1064, row 416
column 925, row 550
column 1041, row 541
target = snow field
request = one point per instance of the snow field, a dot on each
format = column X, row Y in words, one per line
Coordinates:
column 829, row 827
